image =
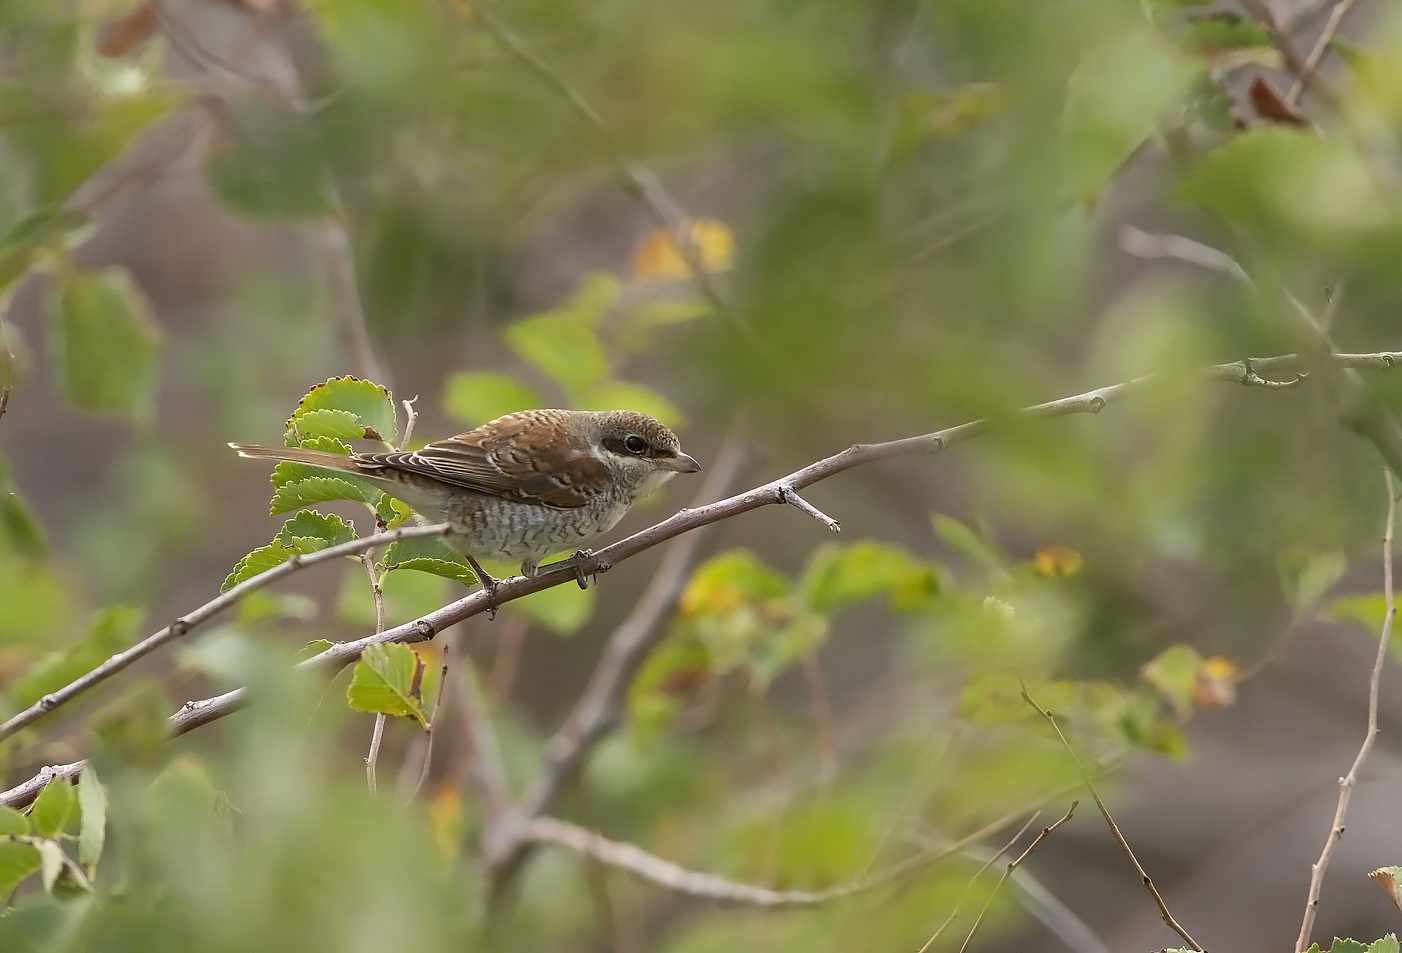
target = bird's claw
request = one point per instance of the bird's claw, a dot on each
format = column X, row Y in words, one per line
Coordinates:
column 576, row 562
column 489, row 586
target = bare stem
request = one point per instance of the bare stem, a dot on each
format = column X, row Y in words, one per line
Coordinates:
column 377, row 736
column 1349, row 781
column 1114, row 828
column 1046, row 832
column 411, row 417
column 432, row 723
column 374, row 756
column 1320, row 50
column 959, row 902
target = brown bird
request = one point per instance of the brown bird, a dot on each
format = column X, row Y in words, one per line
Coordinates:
column 522, row 486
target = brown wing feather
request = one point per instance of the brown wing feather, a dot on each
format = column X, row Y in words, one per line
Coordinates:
column 520, row 458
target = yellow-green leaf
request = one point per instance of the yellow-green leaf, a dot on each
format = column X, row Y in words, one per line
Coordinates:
column 105, row 342
column 475, row 397
column 382, row 681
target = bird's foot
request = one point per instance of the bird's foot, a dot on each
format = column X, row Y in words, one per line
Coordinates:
column 576, row 562
column 489, row 585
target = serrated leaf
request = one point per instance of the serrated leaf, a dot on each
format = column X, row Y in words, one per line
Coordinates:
column 313, row 490
column 382, row 681
column 313, row 648
column 329, row 528
column 12, row 821
column 52, row 808
column 561, row 609
column 1387, row 944
column 1114, row 101
column 255, row 564
column 620, row 395
column 838, row 576
column 1389, row 881
column 92, row 833
column 475, row 397
column 369, row 406
column 426, row 554
column 564, row 347
column 392, row 512
column 1174, row 672
column 113, row 630
column 963, row 539
column 105, row 342
column 17, row 861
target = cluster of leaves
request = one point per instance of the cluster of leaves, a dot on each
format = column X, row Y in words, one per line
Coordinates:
column 36, row 843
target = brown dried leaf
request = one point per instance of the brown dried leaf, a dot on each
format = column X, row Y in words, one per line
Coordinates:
column 1270, row 104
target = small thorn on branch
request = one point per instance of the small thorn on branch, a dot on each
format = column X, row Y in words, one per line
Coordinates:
column 788, row 494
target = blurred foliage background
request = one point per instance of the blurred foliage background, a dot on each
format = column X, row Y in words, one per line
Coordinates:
column 894, row 216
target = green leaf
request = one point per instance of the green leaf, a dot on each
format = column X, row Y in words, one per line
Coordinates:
column 838, row 576
column 309, row 531
column 274, row 166
column 92, row 834
column 426, row 554
column 105, row 342
column 1306, row 576
column 618, row 395
column 52, row 862
column 562, row 609
column 313, row 648
column 562, row 346
column 1174, row 672
column 775, row 651
column 392, row 512
column 1114, row 101
column 382, row 680
column 255, row 564
column 17, row 861
column 473, row 398
column 20, row 532
column 347, row 408
column 1368, row 611
column 317, row 489
column 113, row 630
column 1223, row 32
column 1387, row 944
column 971, row 543
column 12, row 821
column 640, row 323
column 53, row 808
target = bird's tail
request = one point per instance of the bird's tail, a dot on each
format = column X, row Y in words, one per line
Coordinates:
column 316, row 458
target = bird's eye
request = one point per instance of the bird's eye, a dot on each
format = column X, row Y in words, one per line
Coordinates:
column 635, row 444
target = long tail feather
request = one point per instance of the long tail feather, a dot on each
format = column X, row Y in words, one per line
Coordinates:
column 316, row 458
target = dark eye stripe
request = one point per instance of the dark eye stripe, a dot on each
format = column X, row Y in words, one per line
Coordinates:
column 621, row 445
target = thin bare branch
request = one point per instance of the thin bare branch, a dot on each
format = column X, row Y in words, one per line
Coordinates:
column 963, row 894
column 1114, row 828
column 1321, row 49
column 1046, row 832
column 411, row 417
column 487, row 772
column 373, row 756
column 378, row 592
column 1155, row 245
column 428, row 729
column 788, row 494
column 1348, row 782
column 192, row 620
column 666, row 212
column 1261, row 10
column 649, row 867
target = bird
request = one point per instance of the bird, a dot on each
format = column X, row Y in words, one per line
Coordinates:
column 523, row 486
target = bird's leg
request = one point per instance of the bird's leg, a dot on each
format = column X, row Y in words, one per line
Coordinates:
column 489, row 585
column 576, row 562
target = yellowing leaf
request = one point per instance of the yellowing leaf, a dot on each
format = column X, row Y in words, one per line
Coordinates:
column 1215, row 687
column 382, row 683
column 1057, row 561
column 659, row 259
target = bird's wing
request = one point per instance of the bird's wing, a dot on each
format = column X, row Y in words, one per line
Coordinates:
column 530, row 460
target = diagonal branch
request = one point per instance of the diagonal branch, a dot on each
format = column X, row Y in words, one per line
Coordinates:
column 192, row 620
column 1350, row 781
column 566, row 747
column 1321, row 48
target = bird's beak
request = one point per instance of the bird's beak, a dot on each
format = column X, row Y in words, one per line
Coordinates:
column 681, row 463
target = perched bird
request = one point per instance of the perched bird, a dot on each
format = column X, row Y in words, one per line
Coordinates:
column 522, row 486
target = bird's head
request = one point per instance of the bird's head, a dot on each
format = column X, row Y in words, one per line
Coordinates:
column 639, row 448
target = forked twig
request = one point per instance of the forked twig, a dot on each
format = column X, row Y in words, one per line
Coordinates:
column 1114, row 828
column 1349, row 781
column 1046, row 832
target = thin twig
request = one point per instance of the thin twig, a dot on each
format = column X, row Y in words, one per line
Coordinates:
column 377, row 590
column 1152, row 245
column 788, row 494
column 550, row 830
column 1046, row 832
column 822, row 715
column 432, row 723
column 373, row 756
column 1261, row 10
column 1114, row 828
column 487, row 771
column 192, row 620
column 963, row 894
column 411, row 417
column 1320, row 50
column 1349, row 781
column 595, row 713
column 666, row 212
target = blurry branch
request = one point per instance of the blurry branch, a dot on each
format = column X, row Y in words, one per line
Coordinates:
column 377, row 590
column 667, row 213
column 1280, row 36
column 192, row 620
column 1046, row 832
column 1154, row 245
column 376, row 737
column 345, row 295
column 1042, row 904
column 1114, row 828
column 601, row 704
column 432, row 723
column 1349, row 781
column 7, row 361
column 487, row 772
column 550, row 830
column 506, row 658
column 1320, row 50
column 963, row 894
